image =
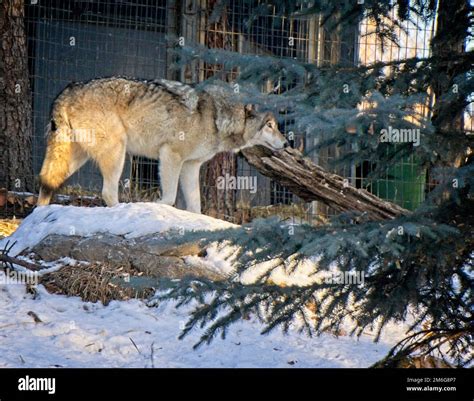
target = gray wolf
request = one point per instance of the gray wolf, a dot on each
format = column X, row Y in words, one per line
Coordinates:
column 106, row 118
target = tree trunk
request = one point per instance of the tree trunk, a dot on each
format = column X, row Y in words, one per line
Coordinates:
column 452, row 30
column 218, row 203
column 16, row 171
column 311, row 182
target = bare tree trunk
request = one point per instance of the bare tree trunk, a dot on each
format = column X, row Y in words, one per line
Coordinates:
column 218, row 203
column 16, row 171
column 311, row 182
column 452, row 30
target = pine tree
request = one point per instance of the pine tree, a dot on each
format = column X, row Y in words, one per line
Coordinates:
column 421, row 261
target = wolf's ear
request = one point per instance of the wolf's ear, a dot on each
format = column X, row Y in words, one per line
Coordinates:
column 250, row 110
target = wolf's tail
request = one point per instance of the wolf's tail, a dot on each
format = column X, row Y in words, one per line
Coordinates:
column 55, row 169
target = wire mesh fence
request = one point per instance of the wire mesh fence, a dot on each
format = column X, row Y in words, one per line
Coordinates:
column 71, row 41
column 270, row 35
column 75, row 41
column 308, row 41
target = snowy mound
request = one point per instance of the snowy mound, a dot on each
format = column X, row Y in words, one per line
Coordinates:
column 128, row 219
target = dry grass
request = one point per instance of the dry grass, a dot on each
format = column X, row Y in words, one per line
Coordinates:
column 77, row 190
column 93, row 282
column 8, row 227
column 296, row 213
column 420, row 362
column 136, row 194
column 129, row 194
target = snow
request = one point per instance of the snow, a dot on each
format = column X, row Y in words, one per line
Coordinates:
column 83, row 334
column 128, row 219
column 73, row 333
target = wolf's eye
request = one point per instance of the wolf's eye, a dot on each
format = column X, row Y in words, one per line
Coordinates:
column 270, row 124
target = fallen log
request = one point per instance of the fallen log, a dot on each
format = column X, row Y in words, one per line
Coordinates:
column 312, row 183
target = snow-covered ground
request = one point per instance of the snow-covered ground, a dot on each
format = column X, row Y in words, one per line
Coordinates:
column 79, row 334
column 73, row 333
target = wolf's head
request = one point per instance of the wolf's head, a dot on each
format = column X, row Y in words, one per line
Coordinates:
column 262, row 129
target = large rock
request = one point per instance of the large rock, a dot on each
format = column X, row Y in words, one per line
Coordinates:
column 155, row 255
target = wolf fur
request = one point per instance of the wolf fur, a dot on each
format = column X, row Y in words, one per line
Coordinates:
column 104, row 119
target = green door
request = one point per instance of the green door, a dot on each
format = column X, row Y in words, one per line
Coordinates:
column 404, row 184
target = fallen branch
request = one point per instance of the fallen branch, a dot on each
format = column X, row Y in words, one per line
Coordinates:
column 8, row 261
column 312, row 183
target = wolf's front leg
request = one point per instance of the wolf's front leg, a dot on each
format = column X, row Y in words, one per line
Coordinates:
column 111, row 165
column 170, row 167
column 189, row 180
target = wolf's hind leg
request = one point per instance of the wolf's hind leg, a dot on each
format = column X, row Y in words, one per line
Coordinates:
column 111, row 163
column 170, row 167
column 189, row 180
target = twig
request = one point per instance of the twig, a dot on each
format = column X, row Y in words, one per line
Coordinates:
column 9, row 261
column 135, row 345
